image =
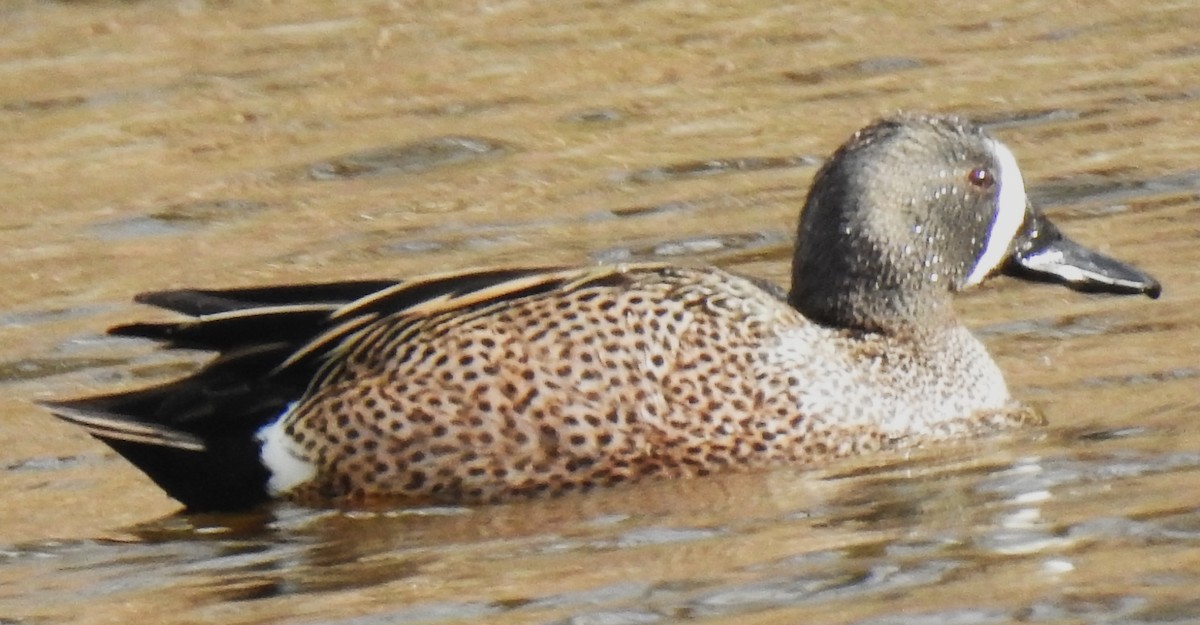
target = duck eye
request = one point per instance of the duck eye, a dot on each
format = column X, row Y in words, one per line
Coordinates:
column 981, row 178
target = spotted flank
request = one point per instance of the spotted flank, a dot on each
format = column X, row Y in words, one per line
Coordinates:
column 491, row 385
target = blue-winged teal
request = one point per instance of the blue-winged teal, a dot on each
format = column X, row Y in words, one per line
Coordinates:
column 486, row 385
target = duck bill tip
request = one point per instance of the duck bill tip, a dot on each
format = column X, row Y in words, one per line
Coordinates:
column 1041, row 253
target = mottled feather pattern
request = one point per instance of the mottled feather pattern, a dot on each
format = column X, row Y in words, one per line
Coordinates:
column 664, row 371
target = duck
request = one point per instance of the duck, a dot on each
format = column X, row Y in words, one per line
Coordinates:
column 498, row 384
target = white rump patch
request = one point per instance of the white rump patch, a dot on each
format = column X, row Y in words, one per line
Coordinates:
column 288, row 470
column 1010, row 213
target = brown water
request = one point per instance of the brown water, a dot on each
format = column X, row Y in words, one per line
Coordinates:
column 148, row 145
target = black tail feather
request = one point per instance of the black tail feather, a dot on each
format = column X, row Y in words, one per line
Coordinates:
column 227, row 331
column 221, row 473
column 200, row 302
column 195, row 437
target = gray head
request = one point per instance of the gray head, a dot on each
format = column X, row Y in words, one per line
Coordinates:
column 914, row 208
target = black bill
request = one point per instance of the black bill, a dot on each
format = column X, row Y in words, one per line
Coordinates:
column 1040, row 252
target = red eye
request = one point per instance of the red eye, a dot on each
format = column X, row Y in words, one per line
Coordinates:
column 981, row 178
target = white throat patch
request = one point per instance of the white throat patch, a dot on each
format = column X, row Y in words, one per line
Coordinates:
column 1010, row 213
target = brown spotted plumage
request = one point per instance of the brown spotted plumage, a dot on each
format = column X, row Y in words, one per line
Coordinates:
column 614, row 375
column 491, row 385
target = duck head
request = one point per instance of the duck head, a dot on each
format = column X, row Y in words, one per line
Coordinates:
column 914, row 208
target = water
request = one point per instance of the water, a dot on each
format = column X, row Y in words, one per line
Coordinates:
column 157, row 145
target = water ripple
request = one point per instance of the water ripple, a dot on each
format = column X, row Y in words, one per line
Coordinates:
column 410, row 158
